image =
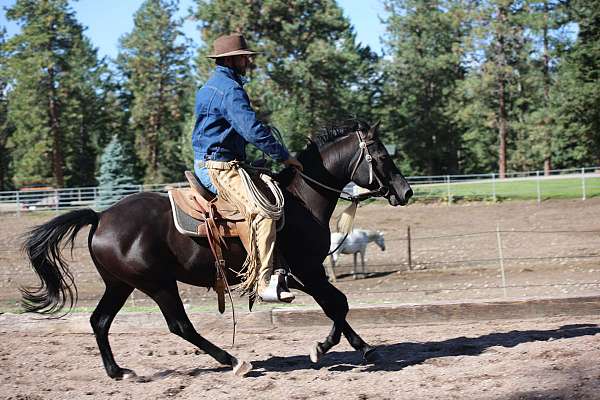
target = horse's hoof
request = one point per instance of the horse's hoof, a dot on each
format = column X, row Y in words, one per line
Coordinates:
column 124, row 373
column 129, row 374
column 371, row 355
column 315, row 353
column 241, row 368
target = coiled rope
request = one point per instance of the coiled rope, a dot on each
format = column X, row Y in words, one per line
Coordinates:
column 272, row 210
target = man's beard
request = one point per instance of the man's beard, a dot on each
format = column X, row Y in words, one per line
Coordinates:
column 240, row 71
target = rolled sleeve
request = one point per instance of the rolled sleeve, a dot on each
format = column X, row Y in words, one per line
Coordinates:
column 241, row 116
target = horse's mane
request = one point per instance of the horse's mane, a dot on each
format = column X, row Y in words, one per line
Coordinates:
column 324, row 135
column 337, row 129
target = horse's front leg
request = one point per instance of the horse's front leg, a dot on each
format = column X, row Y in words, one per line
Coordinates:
column 335, row 305
column 362, row 262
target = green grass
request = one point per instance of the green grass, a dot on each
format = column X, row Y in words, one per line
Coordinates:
column 518, row 189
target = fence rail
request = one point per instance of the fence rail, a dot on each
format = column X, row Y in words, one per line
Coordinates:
column 581, row 183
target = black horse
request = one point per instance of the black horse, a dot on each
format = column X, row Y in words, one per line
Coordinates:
column 134, row 244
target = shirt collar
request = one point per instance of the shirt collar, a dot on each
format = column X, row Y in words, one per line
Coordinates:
column 230, row 73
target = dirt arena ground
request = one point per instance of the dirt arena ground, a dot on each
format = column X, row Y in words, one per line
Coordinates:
column 547, row 359
column 454, row 254
column 550, row 250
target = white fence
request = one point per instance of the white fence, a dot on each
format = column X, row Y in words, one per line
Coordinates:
column 568, row 183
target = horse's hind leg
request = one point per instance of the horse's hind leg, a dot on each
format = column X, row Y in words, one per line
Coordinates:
column 172, row 308
column 112, row 301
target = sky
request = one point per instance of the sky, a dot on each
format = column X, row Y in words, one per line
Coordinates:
column 107, row 20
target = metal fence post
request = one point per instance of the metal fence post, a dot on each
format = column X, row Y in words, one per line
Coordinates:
column 56, row 206
column 539, row 192
column 494, row 187
column 501, row 258
column 448, row 189
column 409, row 248
column 18, row 204
column 583, row 183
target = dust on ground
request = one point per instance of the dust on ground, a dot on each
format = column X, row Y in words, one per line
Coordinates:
column 553, row 358
column 550, row 358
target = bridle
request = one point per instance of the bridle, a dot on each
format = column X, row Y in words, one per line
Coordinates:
column 365, row 154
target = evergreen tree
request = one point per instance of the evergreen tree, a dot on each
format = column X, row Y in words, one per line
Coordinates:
column 577, row 100
column 154, row 60
column 496, row 92
column 6, row 127
column 54, row 99
column 535, row 123
column 425, row 45
column 116, row 117
column 310, row 70
column 116, row 175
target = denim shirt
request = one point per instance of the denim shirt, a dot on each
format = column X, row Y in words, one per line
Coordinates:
column 226, row 122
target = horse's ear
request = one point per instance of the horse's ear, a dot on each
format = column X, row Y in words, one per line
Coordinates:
column 374, row 131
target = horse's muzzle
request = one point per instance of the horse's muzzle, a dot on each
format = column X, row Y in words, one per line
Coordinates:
column 396, row 199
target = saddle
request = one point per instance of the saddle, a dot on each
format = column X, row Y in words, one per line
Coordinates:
column 199, row 213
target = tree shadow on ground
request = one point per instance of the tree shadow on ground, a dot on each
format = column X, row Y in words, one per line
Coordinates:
column 395, row 357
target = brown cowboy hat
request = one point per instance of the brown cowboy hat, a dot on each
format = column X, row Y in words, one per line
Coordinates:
column 230, row 45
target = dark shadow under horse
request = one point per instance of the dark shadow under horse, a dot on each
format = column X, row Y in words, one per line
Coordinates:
column 135, row 245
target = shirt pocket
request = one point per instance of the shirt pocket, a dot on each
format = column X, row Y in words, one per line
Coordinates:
column 209, row 101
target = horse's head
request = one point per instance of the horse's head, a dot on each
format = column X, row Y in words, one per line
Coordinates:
column 374, row 169
column 380, row 241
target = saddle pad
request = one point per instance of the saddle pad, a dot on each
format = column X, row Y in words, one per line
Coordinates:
column 195, row 225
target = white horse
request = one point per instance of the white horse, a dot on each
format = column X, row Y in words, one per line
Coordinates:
column 355, row 243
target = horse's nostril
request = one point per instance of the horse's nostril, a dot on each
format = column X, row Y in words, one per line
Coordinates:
column 408, row 194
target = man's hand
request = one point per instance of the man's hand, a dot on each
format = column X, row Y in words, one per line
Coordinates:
column 292, row 162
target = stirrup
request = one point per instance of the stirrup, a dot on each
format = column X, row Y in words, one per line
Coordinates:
column 277, row 290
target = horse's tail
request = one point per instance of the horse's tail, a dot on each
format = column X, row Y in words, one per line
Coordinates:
column 42, row 244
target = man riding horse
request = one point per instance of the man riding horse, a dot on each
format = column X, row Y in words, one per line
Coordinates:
column 225, row 123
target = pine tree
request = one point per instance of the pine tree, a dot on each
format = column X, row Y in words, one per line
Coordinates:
column 424, row 41
column 6, row 127
column 116, row 175
column 155, row 62
column 54, row 98
column 577, row 102
column 535, row 125
column 310, row 70
column 496, row 94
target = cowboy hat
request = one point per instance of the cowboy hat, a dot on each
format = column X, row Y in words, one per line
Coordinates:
column 230, row 45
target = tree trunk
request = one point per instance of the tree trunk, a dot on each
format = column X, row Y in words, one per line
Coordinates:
column 546, row 117
column 53, row 112
column 502, row 117
column 502, row 129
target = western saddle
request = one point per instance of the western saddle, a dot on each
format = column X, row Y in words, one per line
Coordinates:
column 199, row 213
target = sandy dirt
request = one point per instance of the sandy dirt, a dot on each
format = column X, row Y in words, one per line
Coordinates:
column 554, row 358
column 454, row 255
column 550, row 250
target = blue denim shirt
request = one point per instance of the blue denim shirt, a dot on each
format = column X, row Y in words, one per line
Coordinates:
column 226, row 122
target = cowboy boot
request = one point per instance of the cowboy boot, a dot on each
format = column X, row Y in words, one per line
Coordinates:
column 273, row 287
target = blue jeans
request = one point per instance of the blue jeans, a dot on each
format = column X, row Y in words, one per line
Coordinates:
column 202, row 174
